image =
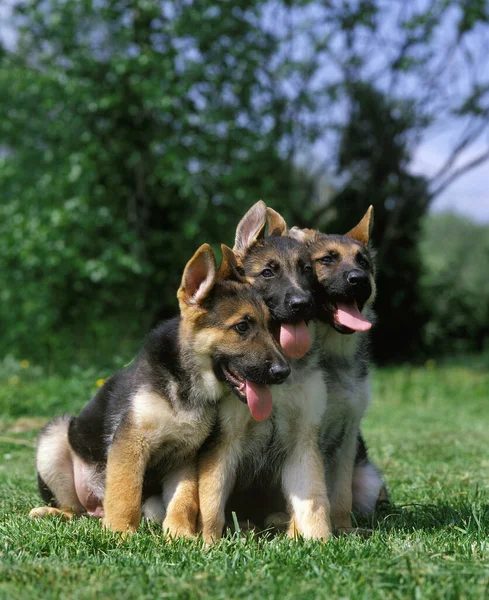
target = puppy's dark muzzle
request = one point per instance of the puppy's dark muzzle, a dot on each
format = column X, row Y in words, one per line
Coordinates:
column 299, row 307
column 358, row 279
column 278, row 372
column 358, row 286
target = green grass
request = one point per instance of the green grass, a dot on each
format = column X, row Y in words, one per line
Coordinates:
column 427, row 429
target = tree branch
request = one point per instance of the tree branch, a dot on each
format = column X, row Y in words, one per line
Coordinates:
column 472, row 164
column 459, row 148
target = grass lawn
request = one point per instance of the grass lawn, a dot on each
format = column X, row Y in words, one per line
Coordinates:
column 428, row 430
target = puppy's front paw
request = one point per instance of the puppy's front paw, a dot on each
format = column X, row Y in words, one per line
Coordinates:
column 317, row 529
column 118, row 527
column 42, row 512
column 211, row 536
column 174, row 528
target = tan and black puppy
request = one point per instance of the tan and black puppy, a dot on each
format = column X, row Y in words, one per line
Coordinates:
column 345, row 269
column 284, row 451
column 280, row 270
column 315, row 403
column 142, row 430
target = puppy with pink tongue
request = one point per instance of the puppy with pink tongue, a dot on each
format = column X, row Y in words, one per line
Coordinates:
column 295, row 339
column 259, row 399
column 348, row 315
column 285, row 447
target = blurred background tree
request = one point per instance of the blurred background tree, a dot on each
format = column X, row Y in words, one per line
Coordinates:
column 455, row 284
column 134, row 130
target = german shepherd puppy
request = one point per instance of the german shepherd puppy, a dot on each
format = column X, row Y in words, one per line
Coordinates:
column 345, row 271
column 149, row 420
column 285, row 449
column 276, row 268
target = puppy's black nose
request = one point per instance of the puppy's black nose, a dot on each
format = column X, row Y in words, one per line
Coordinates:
column 358, row 278
column 279, row 372
column 300, row 303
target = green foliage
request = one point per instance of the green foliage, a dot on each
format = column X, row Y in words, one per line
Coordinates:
column 455, row 285
column 25, row 389
column 425, row 428
column 141, row 139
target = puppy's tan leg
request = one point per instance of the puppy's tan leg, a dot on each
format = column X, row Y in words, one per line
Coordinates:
column 181, row 496
column 341, row 492
column 305, row 489
column 217, row 475
column 127, row 459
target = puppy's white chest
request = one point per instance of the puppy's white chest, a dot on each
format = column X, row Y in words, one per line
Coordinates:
column 300, row 403
column 153, row 415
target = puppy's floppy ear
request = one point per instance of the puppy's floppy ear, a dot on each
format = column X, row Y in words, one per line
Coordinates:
column 251, row 228
column 199, row 277
column 276, row 223
column 306, row 236
column 230, row 267
column 363, row 230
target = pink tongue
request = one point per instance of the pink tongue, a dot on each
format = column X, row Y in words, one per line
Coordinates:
column 259, row 398
column 347, row 314
column 295, row 339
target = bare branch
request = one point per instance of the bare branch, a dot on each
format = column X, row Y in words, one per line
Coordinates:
column 472, row 164
column 456, row 152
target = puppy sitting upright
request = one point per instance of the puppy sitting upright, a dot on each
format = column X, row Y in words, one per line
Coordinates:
column 281, row 455
column 152, row 417
column 325, row 395
column 345, row 271
column 284, row 451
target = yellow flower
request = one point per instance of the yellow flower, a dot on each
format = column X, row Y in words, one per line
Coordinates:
column 14, row 380
column 25, row 364
column 430, row 364
column 100, row 382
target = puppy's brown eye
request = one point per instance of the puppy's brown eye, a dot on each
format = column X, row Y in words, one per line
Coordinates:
column 326, row 259
column 242, row 327
column 267, row 273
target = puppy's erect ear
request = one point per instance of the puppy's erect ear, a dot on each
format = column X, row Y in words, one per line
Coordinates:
column 199, row 277
column 230, row 267
column 251, row 228
column 276, row 223
column 363, row 230
column 306, row 236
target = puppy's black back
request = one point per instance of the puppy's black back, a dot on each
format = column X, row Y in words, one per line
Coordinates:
column 88, row 431
column 159, row 361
